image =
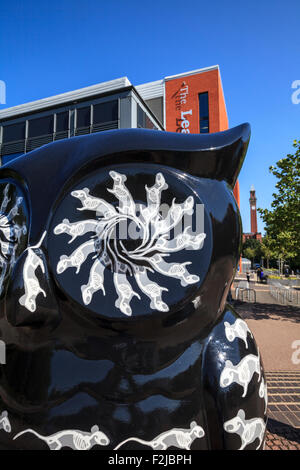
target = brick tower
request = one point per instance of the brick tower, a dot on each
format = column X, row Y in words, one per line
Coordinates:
column 253, row 215
column 254, row 234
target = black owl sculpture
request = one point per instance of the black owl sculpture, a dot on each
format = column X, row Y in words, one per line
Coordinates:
column 117, row 252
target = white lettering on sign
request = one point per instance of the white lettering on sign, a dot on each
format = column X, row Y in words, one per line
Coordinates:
column 180, row 97
column 185, row 123
column 182, row 122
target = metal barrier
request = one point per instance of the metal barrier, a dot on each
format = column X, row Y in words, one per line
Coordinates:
column 249, row 295
column 244, row 293
column 283, row 294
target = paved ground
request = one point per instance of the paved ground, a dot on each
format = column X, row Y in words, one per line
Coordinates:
column 276, row 328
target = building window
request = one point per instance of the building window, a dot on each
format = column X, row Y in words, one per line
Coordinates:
column 143, row 120
column 40, row 126
column 14, row 132
column 105, row 112
column 83, row 117
column 62, row 121
column 141, row 117
column 204, row 113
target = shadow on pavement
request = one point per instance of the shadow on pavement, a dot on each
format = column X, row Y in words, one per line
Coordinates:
column 283, row 430
column 263, row 311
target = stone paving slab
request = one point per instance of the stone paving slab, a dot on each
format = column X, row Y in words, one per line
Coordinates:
column 283, row 428
column 284, row 397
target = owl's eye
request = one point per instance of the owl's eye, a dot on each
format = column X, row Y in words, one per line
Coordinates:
column 13, row 228
column 120, row 252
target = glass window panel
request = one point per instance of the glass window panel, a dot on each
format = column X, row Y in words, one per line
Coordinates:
column 203, row 105
column 83, row 117
column 204, row 112
column 149, row 123
column 106, row 112
column 40, row 126
column 204, row 126
column 141, row 117
column 62, row 121
column 14, row 132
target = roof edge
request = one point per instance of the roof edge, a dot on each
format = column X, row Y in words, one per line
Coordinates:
column 193, row 72
column 61, row 98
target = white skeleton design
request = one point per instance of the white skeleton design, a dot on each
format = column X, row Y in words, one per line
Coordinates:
column 31, row 283
column 180, row 438
column 4, row 422
column 109, row 252
column 197, row 302
column 263, row 392
column 241, row 373
column 76, row 440
column 239, row 329
column 11, row 234
column 248, row 430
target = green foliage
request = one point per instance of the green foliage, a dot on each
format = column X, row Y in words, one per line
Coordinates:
column 249, row 253
column 268, row 250
column 282, row 222
column 252, row 243
column 252, row 250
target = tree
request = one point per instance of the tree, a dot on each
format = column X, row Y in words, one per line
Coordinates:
column 282, row 222
column 268, row 249
column 249, row 253
column 252, row 249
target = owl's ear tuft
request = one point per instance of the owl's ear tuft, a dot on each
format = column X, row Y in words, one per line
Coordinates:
column 220, row 155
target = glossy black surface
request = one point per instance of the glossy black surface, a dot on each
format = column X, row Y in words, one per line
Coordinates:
column 72, row 365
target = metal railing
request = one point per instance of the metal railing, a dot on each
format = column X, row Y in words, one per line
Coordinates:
column 244, row 293
column 283, row 294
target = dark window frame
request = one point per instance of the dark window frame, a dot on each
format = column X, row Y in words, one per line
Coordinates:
column 9, row 126
column 80, row 108
column 59, row 113
column 107, row 103
column 203, row 99
column 40, row 121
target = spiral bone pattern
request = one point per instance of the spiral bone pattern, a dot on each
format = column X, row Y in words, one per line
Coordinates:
column 112, row 252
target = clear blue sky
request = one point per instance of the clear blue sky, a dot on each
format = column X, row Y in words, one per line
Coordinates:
column 49, row 47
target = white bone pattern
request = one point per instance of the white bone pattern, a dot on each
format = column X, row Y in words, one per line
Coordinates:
column 31, row 282
column 180, row 438
column 76, row 440
column 248, row 430
column 263, row 393
column 80, row 440
column 4, row 422
column 241, row 373
column 239, row 329
column 10, row 233
column 108, row 252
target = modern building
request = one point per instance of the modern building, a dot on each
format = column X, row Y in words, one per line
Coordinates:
column 191, row 102
column 109, row 105
column 254, row 234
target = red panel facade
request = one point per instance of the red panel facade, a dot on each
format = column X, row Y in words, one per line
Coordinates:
column 182, row 102
column 182, row 105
